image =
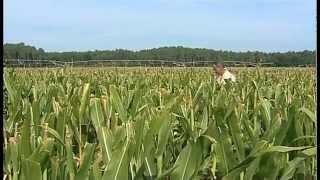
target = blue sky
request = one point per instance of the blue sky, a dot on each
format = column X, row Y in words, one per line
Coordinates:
column 238, row 25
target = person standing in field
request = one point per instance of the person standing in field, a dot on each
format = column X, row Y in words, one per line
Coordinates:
column 223, row 74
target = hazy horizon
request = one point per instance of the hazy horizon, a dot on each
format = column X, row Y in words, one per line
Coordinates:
column 238, row 26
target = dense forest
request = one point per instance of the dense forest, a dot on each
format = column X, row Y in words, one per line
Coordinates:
column 177, row 53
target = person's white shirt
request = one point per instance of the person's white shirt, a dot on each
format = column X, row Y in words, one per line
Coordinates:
column 226, row 75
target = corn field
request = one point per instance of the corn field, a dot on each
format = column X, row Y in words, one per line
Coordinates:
column 159, row 123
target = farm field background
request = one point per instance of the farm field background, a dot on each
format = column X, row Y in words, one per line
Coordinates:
column 159, row 123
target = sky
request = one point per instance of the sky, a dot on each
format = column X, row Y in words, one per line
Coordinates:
column 237, row 25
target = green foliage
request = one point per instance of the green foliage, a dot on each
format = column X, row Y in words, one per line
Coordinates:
column 177, row 54
column 159, row 123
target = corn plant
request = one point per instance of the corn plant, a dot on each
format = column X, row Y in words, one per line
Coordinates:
column 158, row 123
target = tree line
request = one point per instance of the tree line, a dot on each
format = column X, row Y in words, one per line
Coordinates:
column 174, row 53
